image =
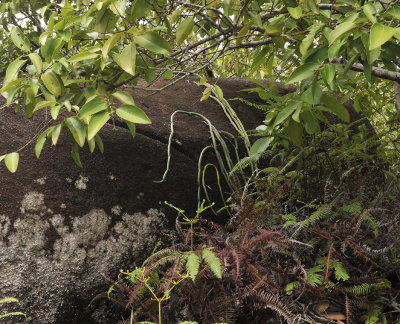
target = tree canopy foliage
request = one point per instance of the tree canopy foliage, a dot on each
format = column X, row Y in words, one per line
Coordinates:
column 75, row 57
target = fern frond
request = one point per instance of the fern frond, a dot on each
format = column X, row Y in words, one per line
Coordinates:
column 213, row 262
column 192, row 265
column 318, row 215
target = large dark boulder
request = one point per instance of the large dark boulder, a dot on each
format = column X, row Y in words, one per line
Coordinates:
column 61, row 226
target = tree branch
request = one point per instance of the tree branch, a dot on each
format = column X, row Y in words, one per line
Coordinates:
column 378, row 72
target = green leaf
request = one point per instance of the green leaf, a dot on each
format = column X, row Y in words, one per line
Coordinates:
column 52, row 83
column 55, row 134
column 340, row 30
column 75, row 154
column 140, row 8
column 213, row 262
column 20, row 40
column 99, row 143
column 97, row 122
column 42, row 104
column 302, row 72
column 370, row 11
column 310, row 38
column 296, row 12
column 260, row 146
column 92, row 144
column 127, row 59
column 193, row 265
column 380, row 34
column 11, row 160
column 83, row 56
column 12, row 71
column 184, row 29
column 54, row 111
column 393, row 11
column 36, row 61
column 42, row 139
column 92, row 107
column 77, row 129
column 109, row 44
column 133, row 114
column 310, row 122
column 218, row 92
column 50, row 47
column 124, row 97
column 153, row 42
column 335, row 107
column 286, row 112
column 132, row 128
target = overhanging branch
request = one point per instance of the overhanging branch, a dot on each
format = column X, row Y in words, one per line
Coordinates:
column 378, row 72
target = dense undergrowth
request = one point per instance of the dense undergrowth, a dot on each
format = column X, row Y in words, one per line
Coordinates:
column 312, row 236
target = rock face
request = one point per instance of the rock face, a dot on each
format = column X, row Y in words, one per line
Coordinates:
column 61, row 226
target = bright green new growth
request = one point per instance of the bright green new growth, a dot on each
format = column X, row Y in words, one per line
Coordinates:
column 10, row 300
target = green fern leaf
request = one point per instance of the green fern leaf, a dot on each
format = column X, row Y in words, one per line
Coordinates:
column 340, row 271
column 192, row 265
column 290, row 287
column 213, row 262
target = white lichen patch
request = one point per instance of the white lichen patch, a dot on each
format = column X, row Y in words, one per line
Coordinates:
column 69, row 180
column 81, row 182
column 41, row 180
column 32, row 201
column 63, row 206
column 116, row 210
column 111, row 176
column 4, row 225
column 47, row 275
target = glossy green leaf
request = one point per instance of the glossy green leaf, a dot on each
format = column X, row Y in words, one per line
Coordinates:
column 295, row 132
column 311, row 123
column 83, row 56
column 127, row 59
column 124, row 97
column 153, row 42
column 11, row 160
column 335, row 107
column 50, row 48
column 54, row 111
column 340, row 30
column 286, row 112
column 310, row 38
column 92, row 107
column 12, row 71
column 109, row 44
column 380, row 34
column 296, row 12
column 218, row 92
column 140, row 8
column 132, row 128
column 42, row 104
column 393, row 11
column 133, row 114
column 99, row 143
column 302, row 72
column 52, row 83
column 175, row 16
column 370, row 11
column 77, row 129
column 184, row 29
column 20, row 40
column 97, row 122
column 36, row 61
column 41, row 140
column 55, row 134
column 75, row 154
column 328, row 73
column 260, row 145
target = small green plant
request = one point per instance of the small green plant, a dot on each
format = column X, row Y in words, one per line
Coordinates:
column 10, row 300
